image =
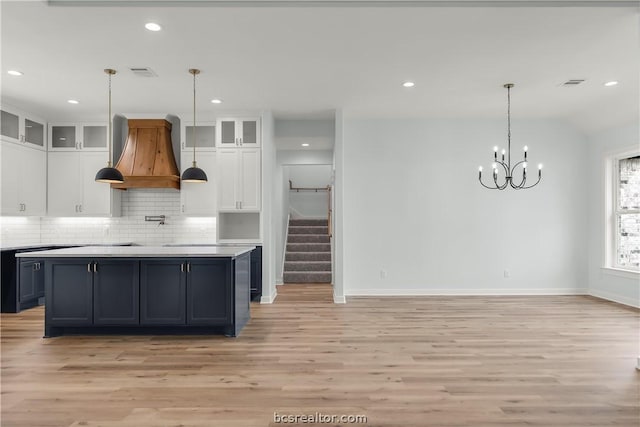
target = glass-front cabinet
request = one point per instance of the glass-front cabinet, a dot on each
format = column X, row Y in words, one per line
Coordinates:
column 238, row 132
column 78, row 136
column 22, row 128
column 204, row 136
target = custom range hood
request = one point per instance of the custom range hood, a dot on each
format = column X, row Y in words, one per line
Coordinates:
column 147, row 159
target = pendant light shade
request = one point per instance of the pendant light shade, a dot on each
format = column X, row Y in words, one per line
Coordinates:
column 109, row 174
column 194, row 173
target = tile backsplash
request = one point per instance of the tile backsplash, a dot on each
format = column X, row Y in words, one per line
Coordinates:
column 130, row 227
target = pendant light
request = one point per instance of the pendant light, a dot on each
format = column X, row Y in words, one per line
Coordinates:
column 194, row 173
column 509, row 171
column 109, row 175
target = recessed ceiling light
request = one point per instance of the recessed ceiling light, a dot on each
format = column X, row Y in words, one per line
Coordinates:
column 14, row 72
column 152, row 26
column 611, row 83
column 408, row 84
column 216, row 101
column 305, row 145
column 73, row 101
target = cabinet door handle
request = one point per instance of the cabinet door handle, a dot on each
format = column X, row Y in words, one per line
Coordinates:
column 240, row 204
column 188, row 267
column 241, row 141
column 182, row 267
column 89, row 267
column 95, row 267
column 79, row 208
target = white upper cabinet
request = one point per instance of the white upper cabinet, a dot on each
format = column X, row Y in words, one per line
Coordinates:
column 238, row 132
column 78, row 136
column 199, row 199
column 238, row 175
column 22, row 128
column 72, row 189
column 23, row 178
column 205, row 136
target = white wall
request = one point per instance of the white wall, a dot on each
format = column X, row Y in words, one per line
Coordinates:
column 614, row 285
column 290, row 134
column 337, row 241
column 307, row 203
column 413, row 207
column 269, row 209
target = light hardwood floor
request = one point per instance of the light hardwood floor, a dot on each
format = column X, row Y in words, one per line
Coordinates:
column 420, row 361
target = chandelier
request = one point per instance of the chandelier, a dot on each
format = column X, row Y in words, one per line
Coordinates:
column 500, row 167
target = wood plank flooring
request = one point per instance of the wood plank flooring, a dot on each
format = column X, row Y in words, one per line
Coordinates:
column 419, row 361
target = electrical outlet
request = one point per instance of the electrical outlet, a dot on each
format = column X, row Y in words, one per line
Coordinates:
column 507, row 274
column 383, row 274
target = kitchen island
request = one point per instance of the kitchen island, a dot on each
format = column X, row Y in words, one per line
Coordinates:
column 146, row 289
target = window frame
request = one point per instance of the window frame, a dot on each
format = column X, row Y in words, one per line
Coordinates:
column 614, row 211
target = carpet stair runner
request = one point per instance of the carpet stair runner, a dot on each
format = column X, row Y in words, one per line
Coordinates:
column 308, row 255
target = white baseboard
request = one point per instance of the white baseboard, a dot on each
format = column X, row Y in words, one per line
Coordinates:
column 615, row 298
column 268, row 300
column 339, row 299
column 464, row 292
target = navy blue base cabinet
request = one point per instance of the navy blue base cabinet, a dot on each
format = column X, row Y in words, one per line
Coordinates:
column 256, row 273
column 159, row 295
column 22, row 281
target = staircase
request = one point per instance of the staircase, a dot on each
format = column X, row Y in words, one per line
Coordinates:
column 308, row 255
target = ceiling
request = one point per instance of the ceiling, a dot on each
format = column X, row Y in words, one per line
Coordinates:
column 308, row 61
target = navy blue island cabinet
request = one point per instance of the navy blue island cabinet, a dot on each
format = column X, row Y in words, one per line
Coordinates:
column 156, row 295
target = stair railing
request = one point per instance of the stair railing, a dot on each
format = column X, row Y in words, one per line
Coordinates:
column 284, row 247
column 329, row 213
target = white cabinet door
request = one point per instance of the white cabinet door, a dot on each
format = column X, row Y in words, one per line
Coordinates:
column 33, row 188
column 10, row 162
column 204, row 136
column 72, row 189
column 22, row 128
column 249, row 161
column 227, row 176
column 199, row 199
column 23, row 180
column 227, row 133
column 96, row 196
column 238, row 132
column 63, row 181
column 238, row 174
column 78, row 136
column 10, row 125
column 249, row 132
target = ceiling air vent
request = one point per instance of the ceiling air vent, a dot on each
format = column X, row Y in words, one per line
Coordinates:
column 573, row 82
column 143, row 72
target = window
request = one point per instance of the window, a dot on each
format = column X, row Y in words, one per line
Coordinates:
column 626, row 221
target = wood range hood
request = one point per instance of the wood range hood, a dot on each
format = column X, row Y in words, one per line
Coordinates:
column 147, row 160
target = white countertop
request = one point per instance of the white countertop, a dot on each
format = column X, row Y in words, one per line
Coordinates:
column 56, row 245
column 140, row 252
